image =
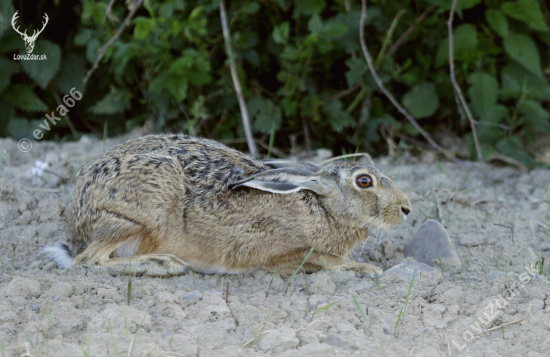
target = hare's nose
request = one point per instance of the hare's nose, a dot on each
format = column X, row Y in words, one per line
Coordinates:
column 405, row 210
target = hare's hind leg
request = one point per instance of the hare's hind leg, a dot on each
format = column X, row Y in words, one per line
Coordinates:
column 118, row 242
column 98, row 256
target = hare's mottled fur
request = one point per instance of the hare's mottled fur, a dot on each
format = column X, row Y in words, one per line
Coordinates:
column 171, row 203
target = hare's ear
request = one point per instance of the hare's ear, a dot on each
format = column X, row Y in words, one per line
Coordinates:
column 287, row 180
column 282, row 164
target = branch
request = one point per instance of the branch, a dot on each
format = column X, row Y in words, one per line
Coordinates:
column 410, row 30
column 399, row 107
column 458, row 91
column 119, row 32
column 387, row 93
column 236, row 83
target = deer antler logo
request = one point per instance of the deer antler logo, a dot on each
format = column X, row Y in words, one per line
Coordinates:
column 29, row 40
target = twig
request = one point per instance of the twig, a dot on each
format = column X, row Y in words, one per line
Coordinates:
column 102, row 50
column 236, row 83
column 387, row 93
column 399, row 107
column 458, row 91
column 109, row 14
column 511, row 322
column 509, row 227
column 348, row 155
column 409, row 31
column 342, row 93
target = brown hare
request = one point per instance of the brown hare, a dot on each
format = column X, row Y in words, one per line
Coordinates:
column 167, row 204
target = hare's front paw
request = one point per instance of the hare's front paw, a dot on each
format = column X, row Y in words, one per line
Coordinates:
column 362, row 269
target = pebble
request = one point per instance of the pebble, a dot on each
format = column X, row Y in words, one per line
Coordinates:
column 56, row 299
column 405, row 270
column 333, row 340
column 35, row 307
column 432, row 243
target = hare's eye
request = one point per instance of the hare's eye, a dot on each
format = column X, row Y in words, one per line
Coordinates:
column 364, row 181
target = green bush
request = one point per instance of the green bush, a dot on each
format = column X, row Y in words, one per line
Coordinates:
column 296, row 62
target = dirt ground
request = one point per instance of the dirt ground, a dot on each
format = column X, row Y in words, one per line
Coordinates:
column 496, row 304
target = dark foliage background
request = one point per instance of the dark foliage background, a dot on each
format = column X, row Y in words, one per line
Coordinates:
column 301, row 67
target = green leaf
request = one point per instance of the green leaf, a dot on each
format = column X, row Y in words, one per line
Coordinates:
column 512, row 147
column 265, row 114
column 497, row 21
column 6, row 12
column 526, row 11
column 535, row 115
column 334, row 29
column 314, row 24
column 73, row 71
column 143, row 27
column 465, row 42
column 9, row 67
column 22, row 97
column 518, row 81
column 19, row 128
column 422, row 100
column 308, row 7
column 468, row 4
column 522, row 48
column 92, row 46
column 281, row 32
column 337, row 116
column 42, row 72
column 94, row 10
column 114, row 102
column 483, row 92
column 82, row 37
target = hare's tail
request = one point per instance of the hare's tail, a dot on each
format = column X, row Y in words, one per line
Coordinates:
column 60, row 253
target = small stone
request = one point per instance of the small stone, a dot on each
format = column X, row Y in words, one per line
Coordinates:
column 406, row 270
column 333, row 340
column 432, row 243
column 189, row 298
column 35, row 307
column 55, row 298
column 169, row 333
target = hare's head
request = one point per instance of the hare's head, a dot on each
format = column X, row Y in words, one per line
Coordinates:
column 361, row 195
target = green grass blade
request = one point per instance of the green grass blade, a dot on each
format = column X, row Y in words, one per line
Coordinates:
column 325, row 307
column 300, row 267
column 360, row 311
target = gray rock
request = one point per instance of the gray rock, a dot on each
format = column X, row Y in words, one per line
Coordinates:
column 55, row 298
column 333, row 340
column 189, row 298
column 35, row 307
column 405, row 270
column 432, row 243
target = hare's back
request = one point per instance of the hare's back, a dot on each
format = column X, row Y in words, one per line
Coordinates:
column 204, row 166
